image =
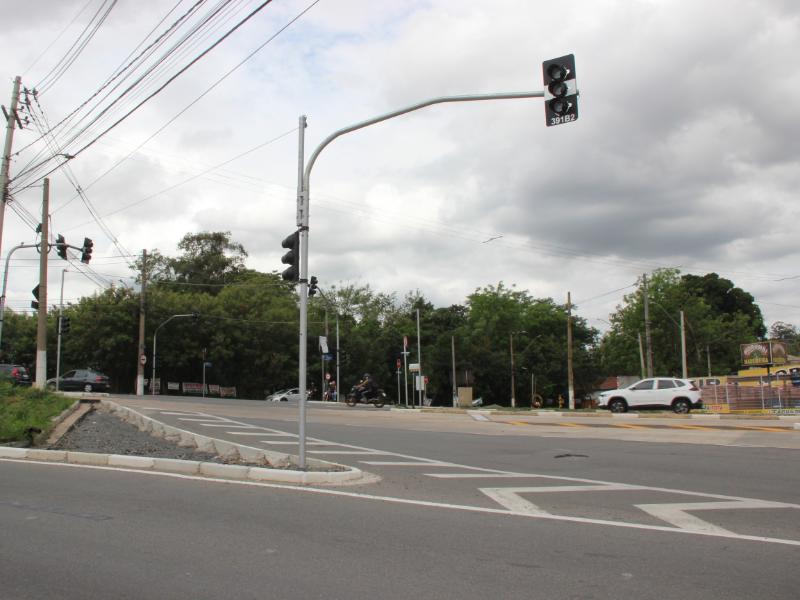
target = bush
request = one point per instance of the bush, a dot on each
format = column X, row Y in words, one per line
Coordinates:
column 23, row 409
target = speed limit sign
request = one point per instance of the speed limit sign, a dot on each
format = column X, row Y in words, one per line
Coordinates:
column 327, row 376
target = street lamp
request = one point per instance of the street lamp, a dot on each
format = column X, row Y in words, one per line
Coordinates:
column 511, row 345
column 155, row 336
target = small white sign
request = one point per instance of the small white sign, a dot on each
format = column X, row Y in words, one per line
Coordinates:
column 414, row 367
column 323, row 344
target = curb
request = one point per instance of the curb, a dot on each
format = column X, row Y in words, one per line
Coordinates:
column 229, row 450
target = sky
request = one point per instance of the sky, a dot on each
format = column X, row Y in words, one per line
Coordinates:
column 686, row 153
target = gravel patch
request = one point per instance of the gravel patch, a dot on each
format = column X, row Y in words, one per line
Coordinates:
column 102, row 432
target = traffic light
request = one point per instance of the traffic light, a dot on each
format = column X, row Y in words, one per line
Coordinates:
column 64, row 327
column 561, row 90
column 61, row 246
column 195, row 317
column 312, row 286
column 292, row 257
column 35, row 292
column 86, row 255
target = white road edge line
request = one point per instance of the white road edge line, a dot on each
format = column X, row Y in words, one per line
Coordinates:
column 477, row 509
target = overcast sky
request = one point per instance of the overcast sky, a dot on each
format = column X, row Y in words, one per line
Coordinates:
column 686, row 153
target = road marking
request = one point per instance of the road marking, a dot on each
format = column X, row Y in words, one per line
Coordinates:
column 757, row 428
column 516, row 422
column 228, row 425
column 480, row 475
column 178, row 414
column 702, row 428
column 261, row 433
column 478, row 416
column 426, row 503
column 202, row 419
column 389, row 463
column 510, row 498
column 571, row 425
column 629, row 426
column 344, row 452
column 676, row 514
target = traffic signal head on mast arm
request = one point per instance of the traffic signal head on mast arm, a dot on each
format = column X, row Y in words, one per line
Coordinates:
column 61, row 246
column 292, row 257
column 86, row 254
column 312, row 286
column 561, row 90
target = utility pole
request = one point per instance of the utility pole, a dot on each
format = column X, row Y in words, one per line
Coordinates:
column 140, row 360
column 641, row 355
column 570, row 380
column 41, row 330
column 511, row 350
column 683, row 347
column 11, row 119
column 647, row 337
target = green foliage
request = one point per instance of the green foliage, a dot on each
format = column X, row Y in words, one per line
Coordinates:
column 718, row 316
column 23, row 408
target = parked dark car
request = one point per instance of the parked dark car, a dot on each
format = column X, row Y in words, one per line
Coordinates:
column 82, row 380
column 17, row 374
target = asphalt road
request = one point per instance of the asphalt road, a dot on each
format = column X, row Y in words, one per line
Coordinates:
column 463, row 508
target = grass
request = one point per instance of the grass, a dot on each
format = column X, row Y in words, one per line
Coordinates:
column 25, row 408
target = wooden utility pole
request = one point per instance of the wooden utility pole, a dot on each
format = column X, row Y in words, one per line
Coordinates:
column 570, row 380
column 11, row 119
column 142, row 357
column 641, row 355
column 647, row 338
column 41, row 329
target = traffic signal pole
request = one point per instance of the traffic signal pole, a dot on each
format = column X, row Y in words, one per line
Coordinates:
column 303, row 201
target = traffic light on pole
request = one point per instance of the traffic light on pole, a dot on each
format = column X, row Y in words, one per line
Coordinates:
column 292, row 257
column 64, row 324
column 35, row 292
column 312, row 286
column 61, row 246
column 561, row 90
column 86, row 254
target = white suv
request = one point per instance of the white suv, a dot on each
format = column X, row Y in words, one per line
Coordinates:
column 660, row 392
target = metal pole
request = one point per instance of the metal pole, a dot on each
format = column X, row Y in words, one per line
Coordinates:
column 420, row 376
column 142, row 311
column 6, row 160
column 204, row 373
column 155, row 337
column 570, row 378
column 41, row 328
column 5, row 283
column 708, row 357
column 511, row 348
column 405, row 371
column 683, row 348
column 302, row 223
column 303, row 201
column 647, row 337
column 455, row 387
column 60, row 323
column 336, row 389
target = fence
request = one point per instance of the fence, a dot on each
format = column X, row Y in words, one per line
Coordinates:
column 732, row 396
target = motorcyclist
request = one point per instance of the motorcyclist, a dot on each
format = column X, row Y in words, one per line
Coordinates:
column 366, row 387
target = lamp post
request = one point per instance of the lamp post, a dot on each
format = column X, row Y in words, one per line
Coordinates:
column 155, row 337
column 511, row 346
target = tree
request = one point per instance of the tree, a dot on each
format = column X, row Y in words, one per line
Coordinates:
column 719, row 317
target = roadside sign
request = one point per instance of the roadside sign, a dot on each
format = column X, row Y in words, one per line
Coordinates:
column 405, row 342
column 143, row 359
column 327, row 376
column 398, row 364
column 414, row 367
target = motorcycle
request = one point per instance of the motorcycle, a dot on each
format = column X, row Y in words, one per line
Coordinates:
column 356, row 397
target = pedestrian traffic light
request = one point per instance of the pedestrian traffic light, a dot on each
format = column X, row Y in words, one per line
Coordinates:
column 61, row 246
column 35, row 292
column 561, row 90
column 64, row 324
column 292, row 257
column 86, row 255
column 312, row 286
